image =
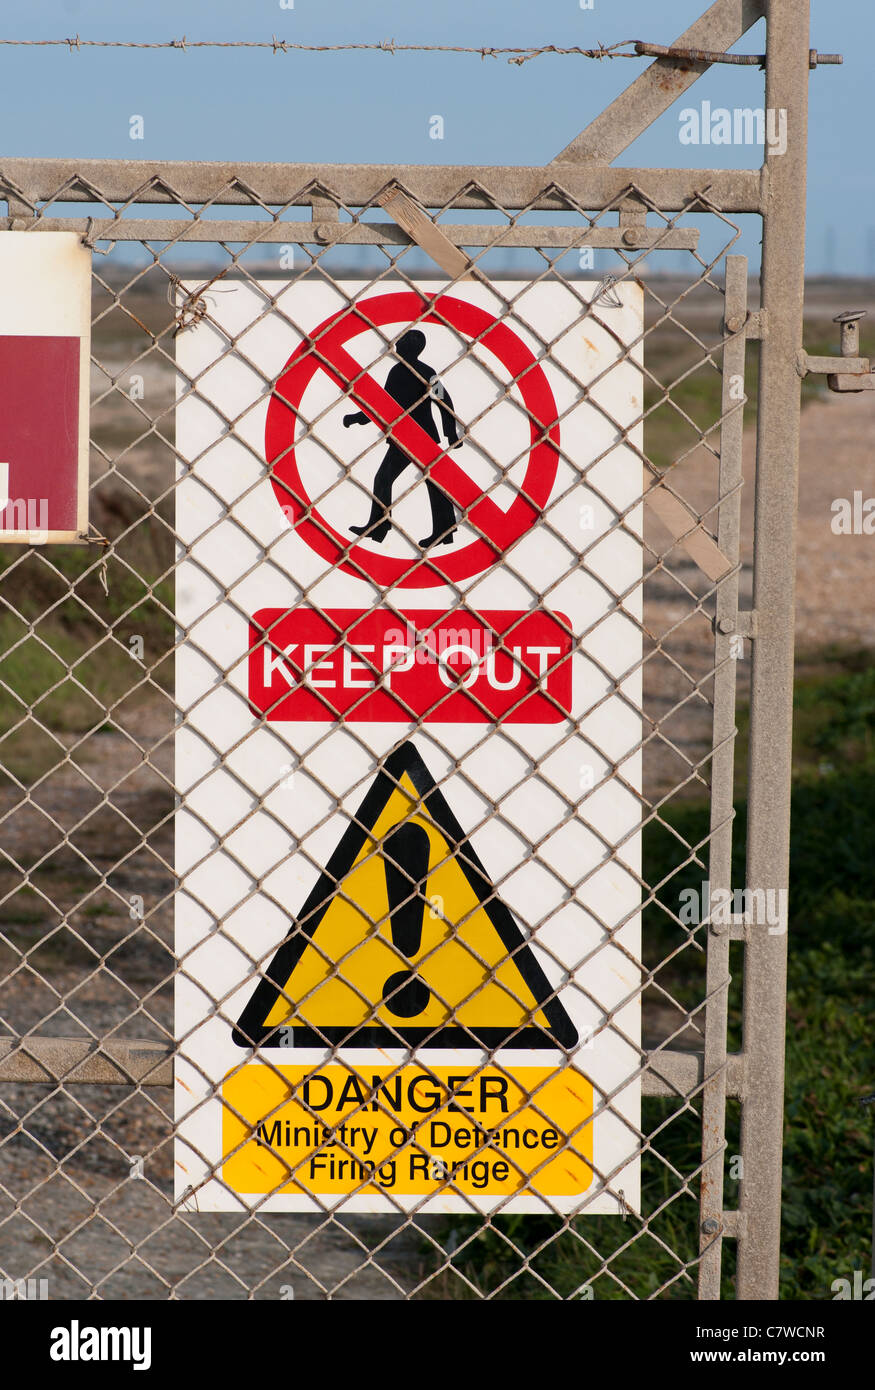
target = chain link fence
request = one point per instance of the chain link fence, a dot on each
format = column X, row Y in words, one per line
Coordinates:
column 90, row 795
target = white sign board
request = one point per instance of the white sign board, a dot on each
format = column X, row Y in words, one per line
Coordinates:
column 407, row 920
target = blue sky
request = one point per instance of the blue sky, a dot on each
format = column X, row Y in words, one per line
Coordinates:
column 376, row 108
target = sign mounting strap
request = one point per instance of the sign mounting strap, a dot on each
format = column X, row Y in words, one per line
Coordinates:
column 678, row 518
column 420, row 227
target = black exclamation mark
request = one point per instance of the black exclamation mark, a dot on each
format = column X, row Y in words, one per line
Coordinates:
column 406, row 857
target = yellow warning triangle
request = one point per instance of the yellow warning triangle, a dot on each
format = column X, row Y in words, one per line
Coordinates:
column 404, row 940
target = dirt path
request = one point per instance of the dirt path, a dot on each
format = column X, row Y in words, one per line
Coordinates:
column 835, row 577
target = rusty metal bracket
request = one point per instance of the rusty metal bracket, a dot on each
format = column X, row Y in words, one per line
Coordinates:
column 734, row 1224
column 807, row 365
column 327, row 227
column 705, row 55
column 744, row 624
column 754, row 324
column 857, row 372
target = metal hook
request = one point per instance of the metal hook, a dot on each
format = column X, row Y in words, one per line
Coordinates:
column 607, row 294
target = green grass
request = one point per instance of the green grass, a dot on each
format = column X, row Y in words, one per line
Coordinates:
column 828, row 1153
column 64, row 653
column 674, row 427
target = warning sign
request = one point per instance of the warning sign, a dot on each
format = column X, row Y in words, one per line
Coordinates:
column 337, row 1131
column 404, row 939
column 408, row 757
column 45, row 364
column 461, row 668
column 410, row 440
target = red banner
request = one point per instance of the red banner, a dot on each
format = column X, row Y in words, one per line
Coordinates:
column 384, row 667
column 39, row 432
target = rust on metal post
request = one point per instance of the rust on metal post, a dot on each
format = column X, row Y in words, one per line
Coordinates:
column 727, row 628
column 851, row 378
column 708, row 56
column 771, row 729
column 213, row 230
column 515, row 187
column 326, row 226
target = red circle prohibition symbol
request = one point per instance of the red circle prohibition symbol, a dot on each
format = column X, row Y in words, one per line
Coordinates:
column 325, row 350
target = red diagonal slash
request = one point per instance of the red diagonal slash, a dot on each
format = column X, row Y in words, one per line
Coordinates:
column 419, row 446
column 324, row 349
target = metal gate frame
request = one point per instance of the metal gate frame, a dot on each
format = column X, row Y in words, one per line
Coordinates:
column 777, row 194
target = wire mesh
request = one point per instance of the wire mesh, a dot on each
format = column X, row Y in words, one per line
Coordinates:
column 89, row 796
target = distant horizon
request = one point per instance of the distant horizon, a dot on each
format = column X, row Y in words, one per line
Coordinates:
column 236, row 105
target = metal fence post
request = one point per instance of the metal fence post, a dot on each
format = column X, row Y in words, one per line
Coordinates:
column 772, row 669
column 722, row 767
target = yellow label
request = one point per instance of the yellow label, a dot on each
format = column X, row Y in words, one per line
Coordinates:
column 410, row 1130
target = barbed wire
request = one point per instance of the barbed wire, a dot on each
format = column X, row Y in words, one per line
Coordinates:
column 625, row 48
column 516, row 55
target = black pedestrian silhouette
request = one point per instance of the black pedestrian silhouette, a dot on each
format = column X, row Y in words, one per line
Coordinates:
column 415, row 387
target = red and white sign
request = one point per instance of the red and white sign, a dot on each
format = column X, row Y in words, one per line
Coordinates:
column 325, row 350
column 444, row 668
column 44, row 384
column 471, row 698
